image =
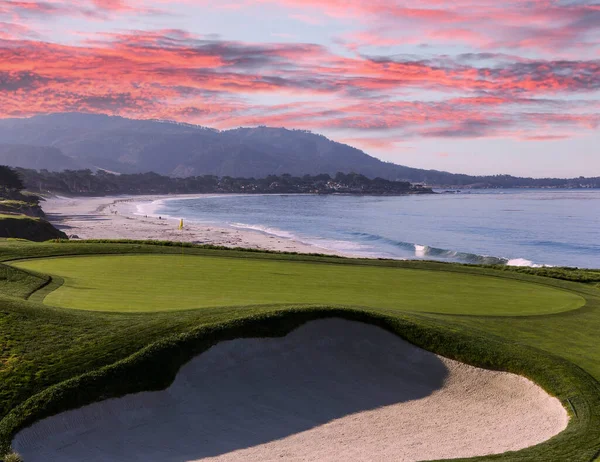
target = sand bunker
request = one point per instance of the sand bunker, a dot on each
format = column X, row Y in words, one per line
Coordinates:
column 330, row 390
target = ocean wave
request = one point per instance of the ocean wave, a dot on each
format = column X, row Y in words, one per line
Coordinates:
column 348, row 248
column 435, row 253
column 338, row 245
column 571, row 246
column 360, row 243
column 267, row 230
column 425, row 251
column 376, row 238
column 523, row 262
column 149, row 208
column 169, row 207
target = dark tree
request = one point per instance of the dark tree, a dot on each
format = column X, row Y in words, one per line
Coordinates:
column 85, row 182
column 10, row 180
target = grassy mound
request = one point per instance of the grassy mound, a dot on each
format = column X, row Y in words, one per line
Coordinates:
column 52, row 359
column 20, row 207
column 30, row 228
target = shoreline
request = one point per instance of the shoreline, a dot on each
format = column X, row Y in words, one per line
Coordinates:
column 115, row 217
column 134, row 217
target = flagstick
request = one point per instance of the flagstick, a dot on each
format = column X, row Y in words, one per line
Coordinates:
column 181, row 229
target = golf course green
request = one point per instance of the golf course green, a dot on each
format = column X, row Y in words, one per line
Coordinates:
column 86, row 321
column 175, row 282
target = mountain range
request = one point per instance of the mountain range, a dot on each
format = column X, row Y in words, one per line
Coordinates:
column 98, row 142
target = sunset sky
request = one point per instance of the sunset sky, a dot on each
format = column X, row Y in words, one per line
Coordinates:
column 472, row 86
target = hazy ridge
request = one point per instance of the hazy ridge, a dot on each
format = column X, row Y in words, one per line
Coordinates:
column 90, row 141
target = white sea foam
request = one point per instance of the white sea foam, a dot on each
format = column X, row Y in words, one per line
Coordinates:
column 151, row 207
column 266, row 230
column 420, row 250
column 424, row 251
column 348, row 247
column 523, row 262
column 365, row 246
column 148, row 207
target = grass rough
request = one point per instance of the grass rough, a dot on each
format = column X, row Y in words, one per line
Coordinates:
column 53, row 359
column 155, row 367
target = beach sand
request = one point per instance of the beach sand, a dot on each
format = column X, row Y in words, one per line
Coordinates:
column 332, row 390
column 117, row 218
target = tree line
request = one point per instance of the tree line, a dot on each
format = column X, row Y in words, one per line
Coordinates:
column 100, row 183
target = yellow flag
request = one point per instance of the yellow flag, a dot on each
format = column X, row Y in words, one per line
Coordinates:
column 181, row 224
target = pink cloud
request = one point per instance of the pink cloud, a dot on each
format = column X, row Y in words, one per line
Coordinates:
column 12, row 31
column 91, row 9
column 544, row 25
column 176, row 74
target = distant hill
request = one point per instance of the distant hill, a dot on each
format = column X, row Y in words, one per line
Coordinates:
column 136, row 146
column 36, row 157
column 123, row 145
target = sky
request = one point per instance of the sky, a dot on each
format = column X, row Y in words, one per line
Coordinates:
column 473, row 86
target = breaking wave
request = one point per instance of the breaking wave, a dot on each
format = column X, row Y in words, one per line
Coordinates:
column 434, row 253
column 357, row 244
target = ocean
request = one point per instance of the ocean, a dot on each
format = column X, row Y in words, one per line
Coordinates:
column 514, row 227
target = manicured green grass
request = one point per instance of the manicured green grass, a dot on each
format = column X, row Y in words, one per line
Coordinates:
column 169, row 282
column 41, row 346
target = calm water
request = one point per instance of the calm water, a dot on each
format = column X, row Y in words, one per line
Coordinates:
column 520, row 227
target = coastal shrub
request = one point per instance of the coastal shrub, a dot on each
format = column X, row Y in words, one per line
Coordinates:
column 12, row 457
column 30, row 228
column 563, row 273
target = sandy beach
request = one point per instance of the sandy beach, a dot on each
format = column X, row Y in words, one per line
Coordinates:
column 119, row 218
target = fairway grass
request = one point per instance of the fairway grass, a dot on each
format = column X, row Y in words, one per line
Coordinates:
column 168, row 282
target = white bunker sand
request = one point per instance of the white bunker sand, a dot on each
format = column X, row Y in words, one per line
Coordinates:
column 330, row 390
